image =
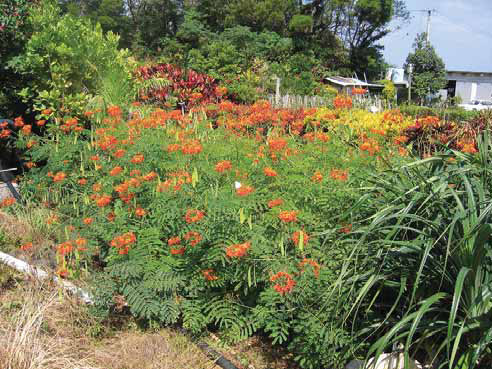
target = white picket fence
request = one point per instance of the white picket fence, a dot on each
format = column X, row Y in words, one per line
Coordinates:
column 369, row 102
column 297, row 101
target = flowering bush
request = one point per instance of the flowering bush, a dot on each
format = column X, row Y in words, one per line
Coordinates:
column 199, row 218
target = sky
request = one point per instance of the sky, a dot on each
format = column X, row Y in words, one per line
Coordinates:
column 461, row 33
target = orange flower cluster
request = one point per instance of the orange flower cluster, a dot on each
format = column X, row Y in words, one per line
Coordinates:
column 285, row 282
column 26, row 246
column 428, row 121
column 359, row 91
column 296, row 236
column 137, row 159
column 193, row 215
column 58, row 177
column 244, row 190
column 192, row 147
column 342, row 102
column 371, row 146
column 222, row 166
column 64, row 248
column 123, row 242
column 317, row 177
column 275, row 202
column 194, row 238
column 71, row 124
column 103, row 200
column 277, row 144
column 115, row 171
column 238, row 250
column 9, row 201
column 339, row 175
column 209, row 275
column 175, row 241
column 176, row 181
column 287, row 216
column 314, row 265
column 269, row 172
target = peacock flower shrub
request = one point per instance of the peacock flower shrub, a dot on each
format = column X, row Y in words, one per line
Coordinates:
column 154, row 198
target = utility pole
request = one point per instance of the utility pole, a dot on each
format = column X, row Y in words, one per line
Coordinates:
column 429, row 14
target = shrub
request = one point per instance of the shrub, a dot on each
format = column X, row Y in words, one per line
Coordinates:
column 65, row 58
column 186, row 86
column 154, row 200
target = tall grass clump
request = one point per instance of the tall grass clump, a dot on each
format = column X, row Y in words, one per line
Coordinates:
column 430, row 229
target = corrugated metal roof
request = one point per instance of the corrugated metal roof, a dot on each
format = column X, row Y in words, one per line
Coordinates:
column 344, row 81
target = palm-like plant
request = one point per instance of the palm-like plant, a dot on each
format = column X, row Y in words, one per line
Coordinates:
column 431, row 288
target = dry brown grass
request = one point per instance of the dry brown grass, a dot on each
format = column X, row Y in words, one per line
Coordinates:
column 42, row 329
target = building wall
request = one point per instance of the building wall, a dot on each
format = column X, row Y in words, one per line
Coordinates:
column 472, row 85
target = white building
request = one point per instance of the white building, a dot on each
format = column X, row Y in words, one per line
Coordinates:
column 469, row 85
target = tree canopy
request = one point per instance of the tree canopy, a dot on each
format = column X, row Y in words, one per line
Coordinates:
column 429, row 71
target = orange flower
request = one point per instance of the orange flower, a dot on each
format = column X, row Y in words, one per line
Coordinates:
column 296, row 236
column 244, row 190
column 192, row 147
column 286, row 282
column 313, row 264
column 339, row 175
column 111, row 217
column 193, row 237
column 103, row 201
column 269, row 172
column 81, row 244
column 95, row 158
column 65, row 248
column 88, row 221
column 26, row 246
column 238, row 250
column 139, row 212
column 149, row 176
column 96, row 187
column 62, row 272
column 123, row 242
column 115, row 171
column 119, row 153
column 317, row 177
column 276, row 202
column 174, row 241
column 46, row 111
column 277, row 144
column 180, row 251
column 82, row 181
column 60, row 176
column 41, row 123
column 26, row 129
column 135, row 173
column 346, row 229
column 209, row 275
column 137, row 159
column 193, row 215
column 222, row 166
column 173, row 148
column 288, row 216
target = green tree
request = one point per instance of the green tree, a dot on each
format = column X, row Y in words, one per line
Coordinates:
column 15, row 29
column 429, row 71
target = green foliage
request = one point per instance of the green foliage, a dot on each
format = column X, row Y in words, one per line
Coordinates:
column 454, row 114
column 431, row 229
column 301, row 24
column 429, row 71
column 65, row 58
column 14, row 31
column 389, row 90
